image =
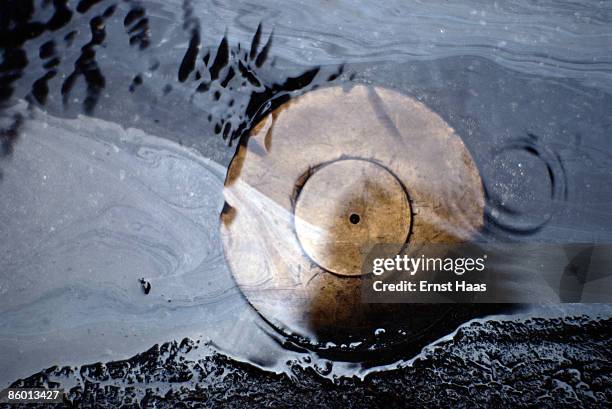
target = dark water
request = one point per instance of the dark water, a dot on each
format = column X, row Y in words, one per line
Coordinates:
column 119, row 119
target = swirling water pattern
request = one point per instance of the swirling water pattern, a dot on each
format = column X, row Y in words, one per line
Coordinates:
column 566, row 39
column 88, row 208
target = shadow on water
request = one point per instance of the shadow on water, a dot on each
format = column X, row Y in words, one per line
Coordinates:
column 384, row 333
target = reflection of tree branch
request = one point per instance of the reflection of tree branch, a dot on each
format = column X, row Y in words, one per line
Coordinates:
column 9, row 133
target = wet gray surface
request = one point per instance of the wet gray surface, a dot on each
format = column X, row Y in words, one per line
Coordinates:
column 97, row 193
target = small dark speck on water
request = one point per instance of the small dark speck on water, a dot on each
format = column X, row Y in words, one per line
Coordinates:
column 136, row 82
column 146, row 286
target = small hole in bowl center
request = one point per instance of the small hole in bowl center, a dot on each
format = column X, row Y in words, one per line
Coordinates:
column 354, row 218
